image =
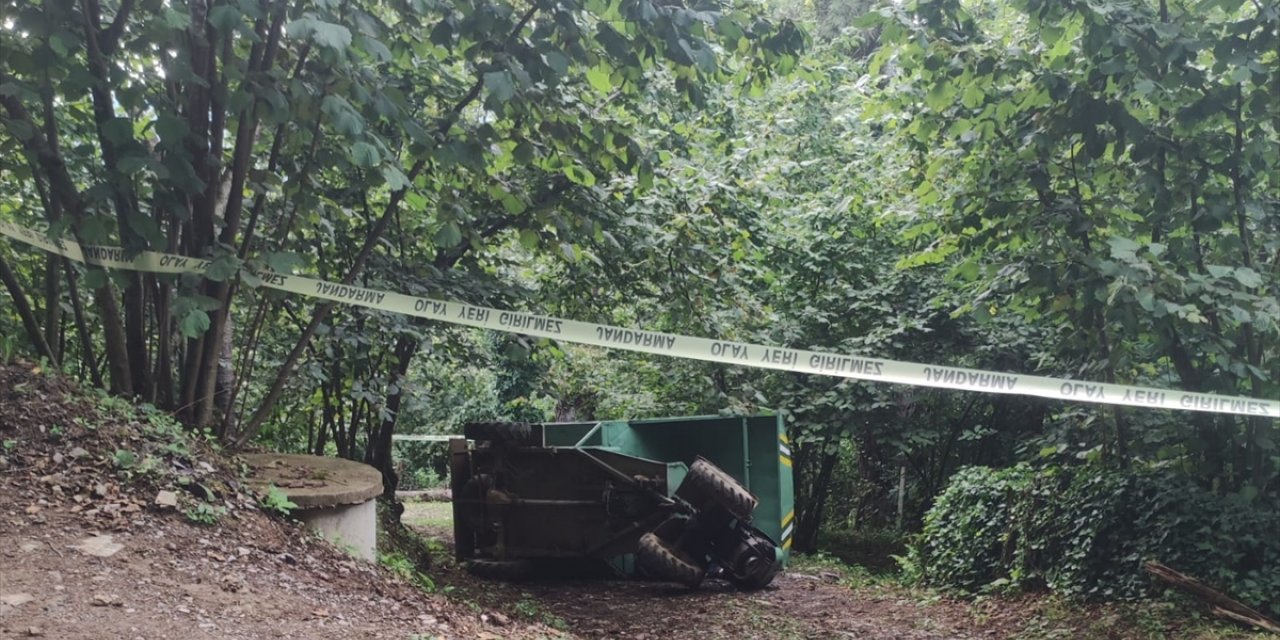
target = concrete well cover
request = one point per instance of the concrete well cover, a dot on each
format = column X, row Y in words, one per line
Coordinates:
column 314, row 481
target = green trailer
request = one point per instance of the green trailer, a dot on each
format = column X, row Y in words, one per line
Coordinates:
column 675, row 498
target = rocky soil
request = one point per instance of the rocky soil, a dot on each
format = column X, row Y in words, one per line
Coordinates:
column 113, row 524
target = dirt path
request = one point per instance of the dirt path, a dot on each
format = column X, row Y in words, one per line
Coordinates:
column 798, row 605
column 811, row 601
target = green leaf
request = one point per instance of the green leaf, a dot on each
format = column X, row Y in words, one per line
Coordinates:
column 499, row 85
column 203, row 302
column 283, row 261
column 1247, row 277
column 580, row 175
column 326, row 34
column 63, row 43
column 375, row 48
column 396, row 179
column 224, row 266
column 512, row 204
column 1123, row 248
column 124, row 459
column 569, row 252
column 558, row 62
column 523, row 152
column 364, row 154
column 21, row 129
column 1146, row 299
column 1219, row 271
column 250, row 279
column 194, row 323
column 598, row 78
column 95, row 278
column 223, row 18
column 118, row 130
column 130, row 165
column 449, row 235
column 529, row 239
column 171, row 128
column 345, row 119
column 940, row 95
column 973, row 96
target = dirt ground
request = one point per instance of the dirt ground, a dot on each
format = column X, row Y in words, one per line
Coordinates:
column 100, row 539
column 809, row 600
column 798, row 605
column 91, row 549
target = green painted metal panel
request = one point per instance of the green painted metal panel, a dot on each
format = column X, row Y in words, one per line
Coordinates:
column 565, row 434
column 770, row 474
column 750, row 448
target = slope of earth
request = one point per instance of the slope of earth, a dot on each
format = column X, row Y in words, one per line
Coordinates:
column 816, row 598
column 115, row 524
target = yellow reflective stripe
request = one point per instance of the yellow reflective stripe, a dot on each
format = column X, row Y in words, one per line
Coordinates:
column 783, row 438
column 786, row 544
column 788, row 518
column 785, row 460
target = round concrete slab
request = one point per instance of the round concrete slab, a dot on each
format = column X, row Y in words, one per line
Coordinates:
column 314, row 481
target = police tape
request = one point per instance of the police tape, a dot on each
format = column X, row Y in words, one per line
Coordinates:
column 678, row 346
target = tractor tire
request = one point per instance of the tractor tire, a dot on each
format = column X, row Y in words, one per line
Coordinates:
column 656, row 555
column 713, row 485
column 505, row 570
column 517, row 433
column 756, row 580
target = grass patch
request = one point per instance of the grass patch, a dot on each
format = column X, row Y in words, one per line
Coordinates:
column 428, row 515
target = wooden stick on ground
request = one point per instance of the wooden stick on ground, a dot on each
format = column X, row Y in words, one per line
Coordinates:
column 1220, row 604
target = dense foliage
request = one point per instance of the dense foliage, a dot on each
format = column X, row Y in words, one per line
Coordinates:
column 1087, row 190
column 397, row 144
column 1086, row 533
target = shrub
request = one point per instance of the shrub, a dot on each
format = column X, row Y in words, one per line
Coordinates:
column 1086, row 533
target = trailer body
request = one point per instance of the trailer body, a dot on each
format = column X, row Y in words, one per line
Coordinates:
column 562, row 492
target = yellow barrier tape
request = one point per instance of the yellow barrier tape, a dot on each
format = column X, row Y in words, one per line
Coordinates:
column 667, row 344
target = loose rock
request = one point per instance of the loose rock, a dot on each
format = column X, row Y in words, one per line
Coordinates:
column 16, row 599
column 100, row 546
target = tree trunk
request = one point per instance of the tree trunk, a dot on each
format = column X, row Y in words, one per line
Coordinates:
column 24, row 311
column 87, row 355
column 809, row 516
column 406, row 347
column 53, row 304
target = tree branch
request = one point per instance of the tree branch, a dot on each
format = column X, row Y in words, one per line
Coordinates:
column 28, row 317
column 371, row 241
column 110, row 37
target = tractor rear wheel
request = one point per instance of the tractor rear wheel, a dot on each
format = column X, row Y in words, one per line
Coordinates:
column 711, row 484
column 507, row 570
column 519, row 433
column 657, row 556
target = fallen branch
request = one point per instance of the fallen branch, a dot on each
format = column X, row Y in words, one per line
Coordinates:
column 1220, row 604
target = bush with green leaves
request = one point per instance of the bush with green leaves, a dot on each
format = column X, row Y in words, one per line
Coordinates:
column 1086, row 532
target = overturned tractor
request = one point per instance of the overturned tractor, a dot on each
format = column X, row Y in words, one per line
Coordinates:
column 641, row 498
